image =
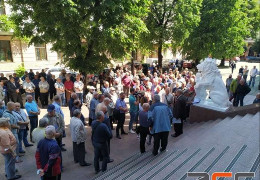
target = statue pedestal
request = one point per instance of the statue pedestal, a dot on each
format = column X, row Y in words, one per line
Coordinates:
column 201, row 112
column 210, row 105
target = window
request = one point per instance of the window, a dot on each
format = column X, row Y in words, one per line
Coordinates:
column 5, row 51
column 40, row 51
column 2, row 7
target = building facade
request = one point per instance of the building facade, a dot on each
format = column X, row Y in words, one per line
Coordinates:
column 14, row 52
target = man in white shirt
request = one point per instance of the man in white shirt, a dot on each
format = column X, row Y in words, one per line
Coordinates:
column 60, row 89
column 253, row 74
column 78, row 87
column 39, row 132
column 29, row 87
column 78, row 137
column 89, row 96
column 167, row 98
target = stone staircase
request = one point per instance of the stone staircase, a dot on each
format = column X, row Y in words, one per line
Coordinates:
column 228, row 145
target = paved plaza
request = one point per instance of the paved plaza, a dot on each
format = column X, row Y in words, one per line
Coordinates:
column 120, row 149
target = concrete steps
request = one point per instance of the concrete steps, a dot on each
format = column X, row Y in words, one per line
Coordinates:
column 229, row 145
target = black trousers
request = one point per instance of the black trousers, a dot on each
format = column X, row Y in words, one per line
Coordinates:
column 111, row 121
column 16, row 97
column 90, row 121
column 178, row 128
column 108, row 148
column 120, row 124
column 33, row 124
column 79, row 152
column 235, row 99
column 160, row 138
column 52, row 94
column 37, row 94
column 144, row 131
column 100, row 150
column 44, row 98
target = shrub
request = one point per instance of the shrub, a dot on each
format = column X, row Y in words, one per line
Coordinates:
column 20, row 71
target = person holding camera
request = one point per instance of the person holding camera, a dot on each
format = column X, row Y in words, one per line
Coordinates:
column 134, row 102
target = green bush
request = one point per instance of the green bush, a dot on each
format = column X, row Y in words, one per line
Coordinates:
column 20, row 71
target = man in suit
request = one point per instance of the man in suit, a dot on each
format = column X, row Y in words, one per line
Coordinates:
column 100, row 135
column 52, row 89
column 179, row 112
column 14, row 92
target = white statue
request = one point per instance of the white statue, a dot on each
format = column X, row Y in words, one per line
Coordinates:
column 209, row 79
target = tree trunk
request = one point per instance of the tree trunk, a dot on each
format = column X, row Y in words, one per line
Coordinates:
column 132, row 62
column 160, row 57
column 222, row 62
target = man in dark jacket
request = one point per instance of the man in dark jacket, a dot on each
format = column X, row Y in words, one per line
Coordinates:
column 31, row 74
column 52, row 89
column 77, row 105
column 36, row 81
column 14, row 92
column 48, row 156
column 71, row 102
column 100, row 136
column 179, row 112
column 242, row 90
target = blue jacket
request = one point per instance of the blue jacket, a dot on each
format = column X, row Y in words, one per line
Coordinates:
column 93, row 104
column 2, row 109
column 100, row 132
column 105, row 90
column 13, row 119
column 58, row 109
column 160, row 116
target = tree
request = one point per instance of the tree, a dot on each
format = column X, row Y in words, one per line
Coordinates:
column 170, row 22
column 223, row 28
column 256, row 47
column 87, row 33
column 8, row 25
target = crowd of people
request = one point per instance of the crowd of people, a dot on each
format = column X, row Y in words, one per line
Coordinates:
column 156, row 102
column 238, row 88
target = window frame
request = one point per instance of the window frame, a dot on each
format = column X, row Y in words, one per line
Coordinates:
column 40, row 47
column 6, row 53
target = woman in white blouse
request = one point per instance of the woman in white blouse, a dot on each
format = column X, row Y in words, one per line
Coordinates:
column 44, row 91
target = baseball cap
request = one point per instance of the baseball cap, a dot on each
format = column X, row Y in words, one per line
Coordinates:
column 50, row 108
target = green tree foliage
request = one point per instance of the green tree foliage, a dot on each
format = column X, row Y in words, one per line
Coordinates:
column 88, row 33
column 20, row 70
column 8, row 25
column 256, row 46
column 223, row 28
column 170, row 22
